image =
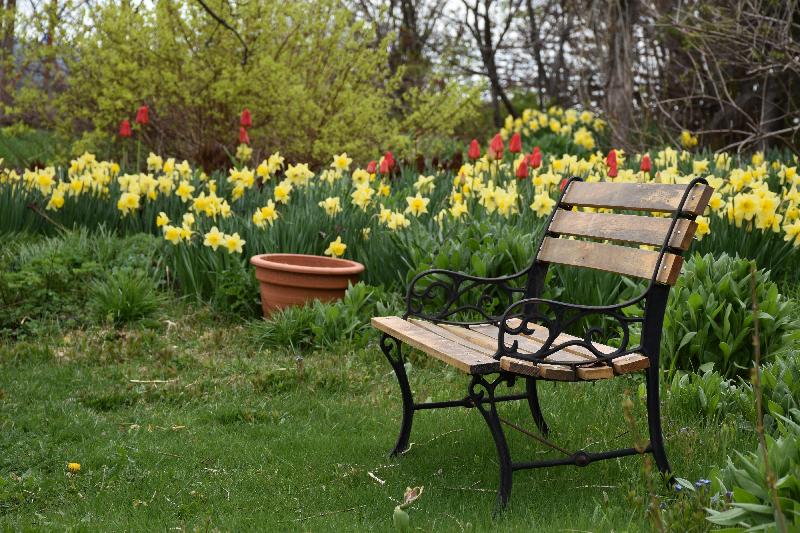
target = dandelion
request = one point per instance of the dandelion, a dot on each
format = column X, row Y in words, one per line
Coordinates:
column 73, row 468
column 336, row 248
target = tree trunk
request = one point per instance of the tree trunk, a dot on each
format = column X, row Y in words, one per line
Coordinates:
column 619, row 68
column 8, row 13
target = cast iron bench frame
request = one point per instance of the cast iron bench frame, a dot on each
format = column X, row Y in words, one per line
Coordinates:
column 539, row 349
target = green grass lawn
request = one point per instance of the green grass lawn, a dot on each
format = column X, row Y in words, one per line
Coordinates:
column 236, row 438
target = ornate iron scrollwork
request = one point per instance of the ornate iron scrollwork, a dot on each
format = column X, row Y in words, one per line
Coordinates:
column 449, row 294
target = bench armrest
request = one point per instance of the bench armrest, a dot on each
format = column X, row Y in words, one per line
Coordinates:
column 446, row 296
column 548, row 320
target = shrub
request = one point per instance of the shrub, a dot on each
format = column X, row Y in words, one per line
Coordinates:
column 124, row 296
column 710, row 318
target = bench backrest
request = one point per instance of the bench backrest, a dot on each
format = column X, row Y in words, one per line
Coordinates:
column 610, row 241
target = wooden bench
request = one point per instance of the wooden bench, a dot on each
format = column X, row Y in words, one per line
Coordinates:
column 498, row 330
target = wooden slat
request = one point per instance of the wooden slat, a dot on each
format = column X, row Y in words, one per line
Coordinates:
column 611, row 258
column 444, row 330
column 638, row 196
column 473, row 337
column 630, row 363
column 519, row 366
column 466, row 359
column 591, row 373
column 624, row 228
column 556, row 372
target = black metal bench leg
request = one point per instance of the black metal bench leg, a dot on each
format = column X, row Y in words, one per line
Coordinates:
column 489, row 411
column 391, row 349
column 654, row 423
column 533, row 403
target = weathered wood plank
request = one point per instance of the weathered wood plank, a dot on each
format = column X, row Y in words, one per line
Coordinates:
column 519, row 366
column 630, row 363
column 611, row 258
column 638, row 196
column 444, row 330
column 592, row 373
column 624, row 228
column 466, row 359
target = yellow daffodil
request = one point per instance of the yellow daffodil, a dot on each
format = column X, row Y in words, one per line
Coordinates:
column 417, row 205
column 173, row 234
column 792, row 233
column 362, row 196
column 244, row 152
column 128, row 202
column 688, row 140
column 213, row 238
column 542, row 205
column 341, row 162
column 703, row 227
column 336, row 248
column 331, row 205
column 162, row 219
column 234, row 243
column 185, row 190
column 282, row 191
column 154, row 162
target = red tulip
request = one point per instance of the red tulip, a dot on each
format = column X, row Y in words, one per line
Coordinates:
column 612, row 170
column 244, row 138
column 246, row 120
column 611, row 159
column 496, row 147
column 372, row 166
column 522, row 170
column 125, row 128
column 645, row 165
column 515, row 144
column 474, row 151
column 142, row 115
column 385, row 166
column 535, row 158
column 389, row 158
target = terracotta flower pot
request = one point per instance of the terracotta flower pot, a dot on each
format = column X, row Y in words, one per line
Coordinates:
column 294, row 279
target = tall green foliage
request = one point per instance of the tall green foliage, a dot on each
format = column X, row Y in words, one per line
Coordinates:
column 316, row 79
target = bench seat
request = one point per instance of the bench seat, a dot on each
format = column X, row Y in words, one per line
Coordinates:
column 472, row 349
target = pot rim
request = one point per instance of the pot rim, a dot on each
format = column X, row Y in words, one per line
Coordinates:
column 338, row 267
